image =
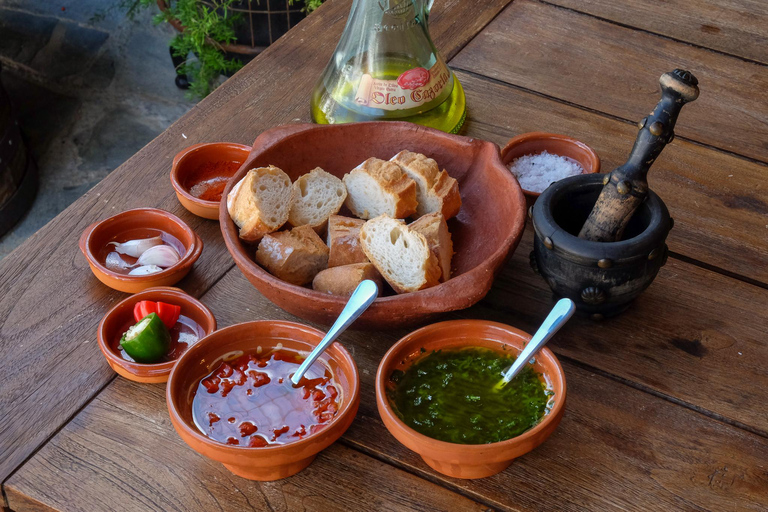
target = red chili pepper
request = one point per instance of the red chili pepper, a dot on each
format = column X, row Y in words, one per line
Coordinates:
column 168, row 313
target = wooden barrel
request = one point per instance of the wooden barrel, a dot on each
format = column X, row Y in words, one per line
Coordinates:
column 18, row 175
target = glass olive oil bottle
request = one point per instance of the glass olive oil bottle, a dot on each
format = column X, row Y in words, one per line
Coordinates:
column 386, row 67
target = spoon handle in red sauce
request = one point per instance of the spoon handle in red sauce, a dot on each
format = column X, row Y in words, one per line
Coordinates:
column 363, row 296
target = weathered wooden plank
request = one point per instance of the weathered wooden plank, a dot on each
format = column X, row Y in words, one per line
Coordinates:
column 718, row 200
column 48, row 274
column 616, row 448
column 614, row 69
column 121, row 453
column 738, row 27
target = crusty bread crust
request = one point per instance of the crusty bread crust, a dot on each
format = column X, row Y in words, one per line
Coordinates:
column 435, row 230
column 245, row 203
column 378, row 232
column 344, row 241
column 295, row 256
column 391, row 181
column 344, row 279
column 437, row 191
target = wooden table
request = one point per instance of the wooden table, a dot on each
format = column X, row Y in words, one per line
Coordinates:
column 668, row 404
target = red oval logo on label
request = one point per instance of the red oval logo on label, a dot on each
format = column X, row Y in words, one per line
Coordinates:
column 413, row 78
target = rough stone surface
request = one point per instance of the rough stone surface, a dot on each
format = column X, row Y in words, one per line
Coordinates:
column 89, row 93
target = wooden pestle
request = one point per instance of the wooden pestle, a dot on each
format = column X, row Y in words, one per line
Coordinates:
column 626, row 187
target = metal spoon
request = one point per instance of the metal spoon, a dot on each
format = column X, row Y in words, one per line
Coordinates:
column 363, row 296
column 560, row 314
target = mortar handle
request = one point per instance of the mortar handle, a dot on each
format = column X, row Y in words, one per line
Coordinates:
column 657, row 130
column 626, row 187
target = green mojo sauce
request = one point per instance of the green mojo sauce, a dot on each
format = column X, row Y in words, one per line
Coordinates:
column 448, row 395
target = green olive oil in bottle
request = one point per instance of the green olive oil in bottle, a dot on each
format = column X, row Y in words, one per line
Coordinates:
column 386, row 67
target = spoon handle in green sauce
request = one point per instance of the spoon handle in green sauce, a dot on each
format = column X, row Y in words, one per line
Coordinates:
column 363, row 296
column 560, row 314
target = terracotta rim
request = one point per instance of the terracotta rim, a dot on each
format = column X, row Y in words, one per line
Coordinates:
column 181, row 155
column 192, row 254
column 434, row 444
column 453, row 286
column 347, row 407
column 593, row 160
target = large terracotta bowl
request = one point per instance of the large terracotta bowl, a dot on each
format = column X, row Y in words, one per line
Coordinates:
column 135, row 224
column 115, row 322
column 269, row 462
column 468, row 460
column 485, row 233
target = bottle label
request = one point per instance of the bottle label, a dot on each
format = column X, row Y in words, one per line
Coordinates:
column 411, row 89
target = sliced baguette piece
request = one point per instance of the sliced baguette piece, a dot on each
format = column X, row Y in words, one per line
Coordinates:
column 295, row 256
column 316, row 196
column 436, row 191
column 260, row 202
column 378, row 187
column 435, row 230
column 344, row 279
column 344, row 241
column 400, row 254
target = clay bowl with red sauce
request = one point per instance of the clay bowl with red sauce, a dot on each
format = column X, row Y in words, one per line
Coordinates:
column 137, row 224
column 274, row 461
column 468, row 460
column 485, row 232
column 533, row 143
column 196, row 321
column 200, row 173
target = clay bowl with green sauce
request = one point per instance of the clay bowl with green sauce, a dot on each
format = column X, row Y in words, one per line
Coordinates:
column 456, row 459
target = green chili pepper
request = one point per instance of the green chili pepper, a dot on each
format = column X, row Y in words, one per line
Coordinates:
column 147, row 341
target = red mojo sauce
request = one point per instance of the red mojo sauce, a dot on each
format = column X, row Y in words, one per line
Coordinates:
column 184, row 334
column 251, row 401
column 210, row 179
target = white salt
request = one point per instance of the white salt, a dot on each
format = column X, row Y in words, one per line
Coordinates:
column 536, row 172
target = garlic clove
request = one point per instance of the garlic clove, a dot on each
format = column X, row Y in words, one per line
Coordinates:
column 145, row 270
column 161, row 255
column 136, row 248
column 115, row 262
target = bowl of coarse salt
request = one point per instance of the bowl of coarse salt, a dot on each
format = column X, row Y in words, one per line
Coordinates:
column 538, row 159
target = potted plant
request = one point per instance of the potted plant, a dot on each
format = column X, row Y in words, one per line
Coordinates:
column 223, row 35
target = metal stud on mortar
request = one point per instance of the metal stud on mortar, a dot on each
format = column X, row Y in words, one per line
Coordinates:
column 599, row 239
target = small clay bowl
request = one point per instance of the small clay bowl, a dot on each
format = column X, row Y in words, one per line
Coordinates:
column 131, row 225
column 187, row 172
column 485, row 232
column 468, row 460
column 113, row 324
column 270, row 462
column 533, row 143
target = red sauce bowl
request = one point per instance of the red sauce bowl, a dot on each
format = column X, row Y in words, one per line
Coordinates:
column 189, row 169
column 115, row 321
column 468, row 460
column 533, row 143
column 135, row 224
column 274, row 461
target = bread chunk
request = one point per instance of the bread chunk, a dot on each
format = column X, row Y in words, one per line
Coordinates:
column 344, row 279
column 400, row 254
column 260, row 202
column 435, row 230
column 295, row 256
column 436, row 191
column 378, row 187
column 316, row 196
column 344, row 241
